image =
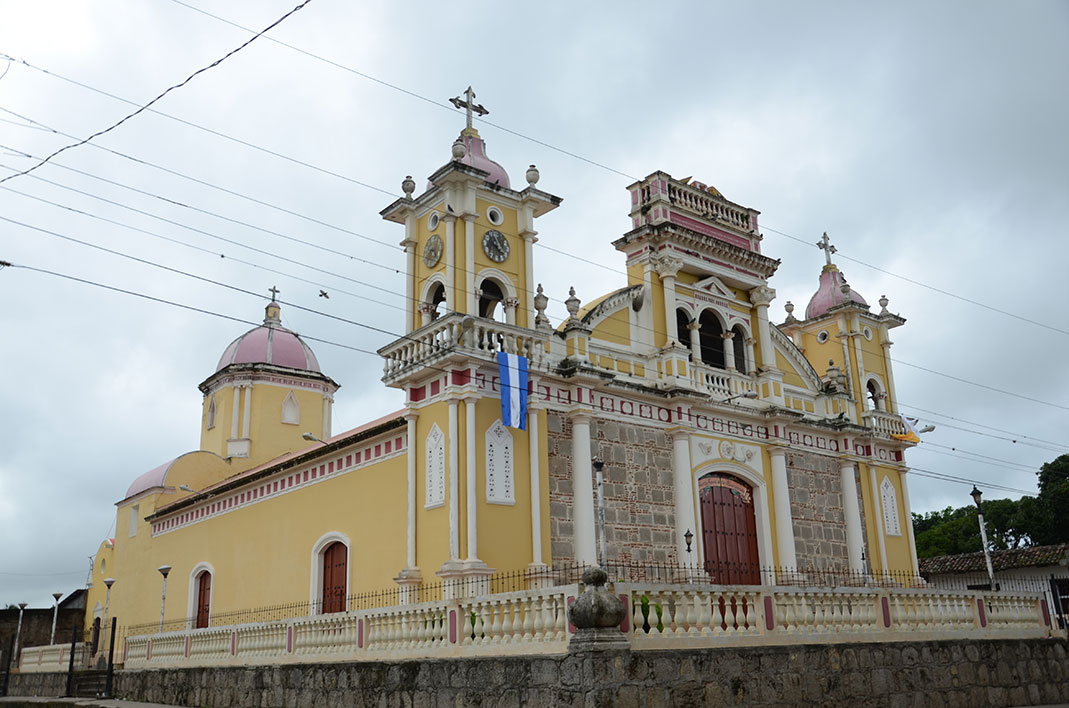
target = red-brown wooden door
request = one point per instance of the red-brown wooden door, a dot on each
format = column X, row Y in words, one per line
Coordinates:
column 729, row 530
column 335, row 577
column 204, row 598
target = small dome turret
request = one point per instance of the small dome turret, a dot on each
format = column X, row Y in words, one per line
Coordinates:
column 270, row 343
column 833, row 291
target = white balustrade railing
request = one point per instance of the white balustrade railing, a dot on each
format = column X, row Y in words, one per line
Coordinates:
column 52, row 658
column 660, row 616
column 458, row 332
column 704, row 204
column 885, row 424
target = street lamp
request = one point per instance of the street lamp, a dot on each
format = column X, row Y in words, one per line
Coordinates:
column 164, row 570
column 312, row 438
column 688, row 537
column 107, row 603
column 55, row 614
column 976, row 494
column 18, row 631
column 744, row 394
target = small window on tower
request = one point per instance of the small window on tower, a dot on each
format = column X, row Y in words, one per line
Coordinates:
column 495, row 216
column 211, row 413
column 432, row 221
column 135, row 514
column 291, row 409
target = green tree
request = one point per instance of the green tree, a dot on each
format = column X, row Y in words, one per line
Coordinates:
column 1052, row 514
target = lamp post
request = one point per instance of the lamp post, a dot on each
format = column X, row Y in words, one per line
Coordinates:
column 55, row 614
column 976, row 494
column 599, row 464
column 107, row 603
column 18, row 631
column 164, row 570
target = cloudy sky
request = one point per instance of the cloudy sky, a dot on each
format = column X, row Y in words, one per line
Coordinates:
column 927, row 139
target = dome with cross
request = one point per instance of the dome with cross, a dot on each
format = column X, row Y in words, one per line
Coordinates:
column 270, row 343
column 833, row 289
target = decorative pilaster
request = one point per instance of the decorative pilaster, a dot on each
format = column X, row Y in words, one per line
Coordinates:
column 454, row 483
column 762, row 297
column 782, row 505
column 852, row 516
column 470, row 477
column 536, row 486
column 469, row 263
column 909, row 525
column 667, row 269
column 585, row 547
column 450, row 263
column 684, row 495
column 877, row 521
column 729, row 350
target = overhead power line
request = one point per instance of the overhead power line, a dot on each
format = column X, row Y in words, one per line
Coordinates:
column 145, row 107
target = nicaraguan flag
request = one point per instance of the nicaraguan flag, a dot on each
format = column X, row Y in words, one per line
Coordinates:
column 513, row 373
column 911, row 432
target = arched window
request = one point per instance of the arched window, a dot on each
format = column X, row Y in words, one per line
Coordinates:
column 499, row 475
column 739, row 344
column 874, row 400
column 682, row 328
column 335, row 577
column 712, row 344
column 491, row 297
column 211, row 412
column 889, row 501
column 437, row 297
column 291, row 409
column 200, row 595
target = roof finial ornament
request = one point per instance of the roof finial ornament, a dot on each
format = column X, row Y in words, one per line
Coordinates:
column 572, row 303
column 824, row 244
column 274, row 293
column 468, row 103
column 273, row 313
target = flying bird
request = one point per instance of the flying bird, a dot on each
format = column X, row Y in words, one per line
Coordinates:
column 323, row 293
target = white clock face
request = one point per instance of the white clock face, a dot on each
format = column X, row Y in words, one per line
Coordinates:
column 432, row 252
column 496, row 246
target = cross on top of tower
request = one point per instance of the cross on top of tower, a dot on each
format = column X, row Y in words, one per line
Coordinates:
column 824, row 244
column 274, row 292
column 468, row 103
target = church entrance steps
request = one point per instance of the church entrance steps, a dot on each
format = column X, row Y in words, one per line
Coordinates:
column 659, row 616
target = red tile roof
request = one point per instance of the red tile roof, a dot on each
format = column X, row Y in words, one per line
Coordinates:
column 1000, row 560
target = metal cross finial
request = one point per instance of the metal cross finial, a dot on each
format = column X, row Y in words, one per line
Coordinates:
column 468, row 103
column 824, row 244
column 274, row 292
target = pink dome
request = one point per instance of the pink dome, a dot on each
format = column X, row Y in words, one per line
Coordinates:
column 830, row 293
column 270, row 343
column 476, row 157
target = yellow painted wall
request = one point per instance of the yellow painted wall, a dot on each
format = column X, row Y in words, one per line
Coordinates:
column 615, row 328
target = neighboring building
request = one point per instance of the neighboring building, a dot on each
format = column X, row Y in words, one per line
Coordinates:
column 1037, row 569
column 772, row 444
column 37, row 624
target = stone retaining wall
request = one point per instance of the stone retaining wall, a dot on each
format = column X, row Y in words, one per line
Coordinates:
column 957, row 674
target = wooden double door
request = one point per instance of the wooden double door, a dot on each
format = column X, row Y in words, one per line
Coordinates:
column 335, row 577
column 729, row 530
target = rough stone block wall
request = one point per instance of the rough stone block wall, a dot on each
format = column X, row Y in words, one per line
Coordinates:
column 817, row 511
column 639, row 496
column 951, row 674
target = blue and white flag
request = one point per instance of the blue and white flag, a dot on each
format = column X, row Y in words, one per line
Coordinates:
column 513, row 373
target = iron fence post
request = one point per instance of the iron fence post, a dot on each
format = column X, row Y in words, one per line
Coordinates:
column 70, row 664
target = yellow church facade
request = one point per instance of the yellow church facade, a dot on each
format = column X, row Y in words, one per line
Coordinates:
column 752, row 450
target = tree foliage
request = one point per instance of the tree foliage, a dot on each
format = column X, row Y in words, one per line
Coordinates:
column 1029, row 521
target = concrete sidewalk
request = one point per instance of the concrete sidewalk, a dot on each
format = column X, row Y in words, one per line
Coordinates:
column 39, row 702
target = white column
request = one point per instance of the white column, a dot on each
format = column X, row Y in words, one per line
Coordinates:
column 582, row 491
column 235, row 412
column 761, row 297
column 669, row 284
column 469, row 263
column 852, row 514
column 450, row 264
column 471, row 478
column 892, row 397
column 246, row 424
column 327, row 409
column 782, row 504
column 695, row 340
column 527, row 297
column 536, row 487
column 454, row 484
column 410, row 276
column 729, row 350
column 684, row 496
column 877, row 522
column 908, row 519
column 410, row 561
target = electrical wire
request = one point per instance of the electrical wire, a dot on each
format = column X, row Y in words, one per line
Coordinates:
column 145, row 107
column 963, row 480
column 980, row 385
column 1017, row 439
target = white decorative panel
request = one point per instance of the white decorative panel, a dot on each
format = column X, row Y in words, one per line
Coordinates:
column 500, row 483
column 435, row 469
column 889, row 500
column 211, row 413
column 291, row 409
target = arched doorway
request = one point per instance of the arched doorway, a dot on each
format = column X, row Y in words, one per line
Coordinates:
column 335, row 577
column 729, row 530
column 710, row 336
column 204, row 599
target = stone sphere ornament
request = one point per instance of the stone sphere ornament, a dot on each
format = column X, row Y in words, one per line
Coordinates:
column 532, row 175
column 408, row 186
column 460, row 150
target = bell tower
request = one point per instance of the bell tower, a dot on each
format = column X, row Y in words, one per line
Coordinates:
column 469, row 237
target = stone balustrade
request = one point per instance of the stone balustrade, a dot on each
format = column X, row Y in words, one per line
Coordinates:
column 53, row 657
column 885, row 424
column 455, row 332
column 702, row 203
column 665, row 615
column 659, row 616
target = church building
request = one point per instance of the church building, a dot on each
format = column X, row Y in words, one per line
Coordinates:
column 726, row 441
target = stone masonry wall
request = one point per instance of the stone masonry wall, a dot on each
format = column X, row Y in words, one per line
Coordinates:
column 817, row 511
column 951, row 674
column 639, row 497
